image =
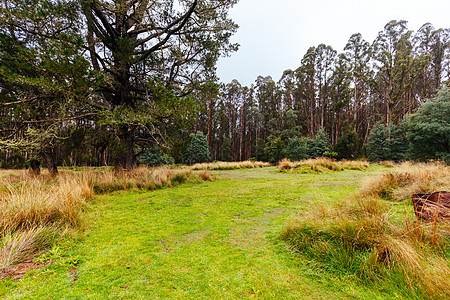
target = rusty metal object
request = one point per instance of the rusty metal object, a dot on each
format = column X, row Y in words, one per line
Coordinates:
column 430, row 207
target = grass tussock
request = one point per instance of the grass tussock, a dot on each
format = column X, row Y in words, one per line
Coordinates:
column 36, row 210
column 381, row 242
column 409, row 178
column 320, row 165
column 222, row 165
column 140, row 178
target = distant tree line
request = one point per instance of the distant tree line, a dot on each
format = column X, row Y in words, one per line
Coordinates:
column 343, row 96
column 84, row 83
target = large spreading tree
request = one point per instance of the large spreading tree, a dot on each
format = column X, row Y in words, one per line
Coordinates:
column 150, row 54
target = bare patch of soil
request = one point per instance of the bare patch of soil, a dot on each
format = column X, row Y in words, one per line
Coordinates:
column 20, row 270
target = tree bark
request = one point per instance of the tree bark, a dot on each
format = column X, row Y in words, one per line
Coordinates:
column 35, row 167
column 126, row 158
column 50, row 160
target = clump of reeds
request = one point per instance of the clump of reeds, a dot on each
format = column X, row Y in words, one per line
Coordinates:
column 409, row 178
column 37, row 202
column 221, row 165
column 321, row 165
column 369, row 237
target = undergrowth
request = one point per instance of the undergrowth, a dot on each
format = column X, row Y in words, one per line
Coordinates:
column 375, row 240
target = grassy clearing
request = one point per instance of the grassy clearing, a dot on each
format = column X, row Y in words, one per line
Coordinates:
column 380, row 241
column 35, row 211
column 221, row 165
column 216, row 240
column 320, row 165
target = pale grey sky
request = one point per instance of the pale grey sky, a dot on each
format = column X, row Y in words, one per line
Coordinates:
column 275, row 34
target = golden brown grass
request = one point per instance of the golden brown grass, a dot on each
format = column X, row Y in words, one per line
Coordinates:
column 221, row 165
column 409, row 178
column 34, row 210
column 321, row 165
column 382, row 241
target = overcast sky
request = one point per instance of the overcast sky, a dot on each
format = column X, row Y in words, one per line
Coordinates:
column 275, row 34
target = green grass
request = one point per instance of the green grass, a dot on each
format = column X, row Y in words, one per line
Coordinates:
column 215, row 240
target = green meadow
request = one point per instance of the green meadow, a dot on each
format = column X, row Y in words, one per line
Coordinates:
column 217, row 239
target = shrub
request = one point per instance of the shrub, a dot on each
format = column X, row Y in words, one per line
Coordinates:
column 429, row 129
column 387, row 143
column 153, row 157
column 297, row 149
column 348, row 146
column 274, row 150
column 198, row 150
column 319, row 145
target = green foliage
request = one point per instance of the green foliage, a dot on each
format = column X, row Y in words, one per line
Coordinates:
column 274, row 150
column 259, row 150
column 226, row 156
column 331, row 154
column 429, row 129
column 319, row 145
column 198, row 151
column 297, row 149
column 386, row 143
column 153, row 156
column 348, row 146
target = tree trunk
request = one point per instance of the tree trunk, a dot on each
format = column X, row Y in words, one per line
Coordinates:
column 35, row 167
column 126, row 158
column 50, row 160
column 242, row 127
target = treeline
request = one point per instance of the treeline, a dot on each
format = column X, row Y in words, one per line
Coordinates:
column 346, row 94
column 85, row 97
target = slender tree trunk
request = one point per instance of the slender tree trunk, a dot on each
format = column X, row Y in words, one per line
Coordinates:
column 209, row 122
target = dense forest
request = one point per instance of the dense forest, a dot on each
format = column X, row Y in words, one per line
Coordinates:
column 87, row 83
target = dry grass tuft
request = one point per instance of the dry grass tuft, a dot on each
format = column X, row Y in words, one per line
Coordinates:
column 15, row 247
column 221, row 165
column 36, row 202
column 205, row 176
column 388, row 164
column 35, row 210
column 140, row 178
column 369, row 237
column 409, row 178
column 321, row 165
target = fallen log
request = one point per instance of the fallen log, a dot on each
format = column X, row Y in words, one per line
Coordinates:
column 430, row 207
